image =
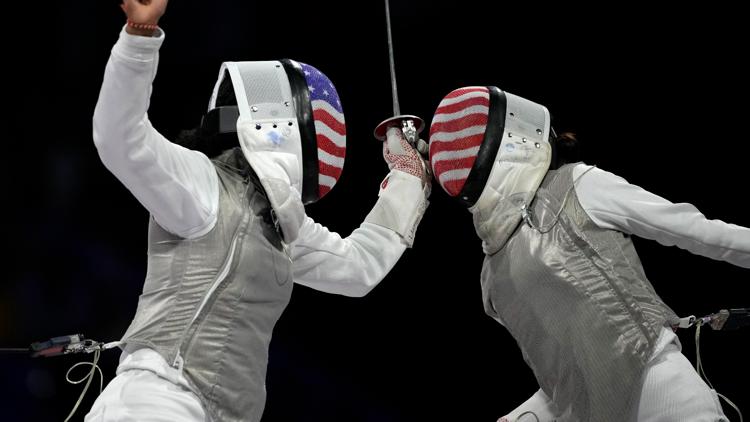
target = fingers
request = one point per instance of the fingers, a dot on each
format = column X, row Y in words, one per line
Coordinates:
column 128, row 6
column 422, row 147
column 427, row 169
column 396, row 141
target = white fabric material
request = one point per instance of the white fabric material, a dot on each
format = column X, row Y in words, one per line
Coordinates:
column 522, row 160
column 353, row 266
column 146, row 388
column 613, row 203
column 273, row 170
column 275, row 150
column 402, row 201
column 409, row 178
column 176, row 185
column 671, row 391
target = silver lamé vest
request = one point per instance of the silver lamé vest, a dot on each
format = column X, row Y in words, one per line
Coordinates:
column 210, row 304
column 576, row 300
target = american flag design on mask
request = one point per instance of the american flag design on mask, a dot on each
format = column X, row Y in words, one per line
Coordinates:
column 456, row 133
column 330, row 128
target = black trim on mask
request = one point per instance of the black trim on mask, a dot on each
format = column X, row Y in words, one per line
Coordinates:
column 303, row 108
column 554, row 163
column 493, row 135
column 219, row 130
column 221, row 120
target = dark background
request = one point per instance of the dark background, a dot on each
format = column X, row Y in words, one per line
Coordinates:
column 658, row 95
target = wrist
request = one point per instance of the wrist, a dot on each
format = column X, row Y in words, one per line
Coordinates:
column 401, row 204
column 142, row 29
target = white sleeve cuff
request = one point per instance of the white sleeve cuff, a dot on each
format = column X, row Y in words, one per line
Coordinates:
column 401, row 205
column 138, row 47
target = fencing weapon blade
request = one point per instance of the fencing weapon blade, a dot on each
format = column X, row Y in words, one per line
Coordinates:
column 411, row 125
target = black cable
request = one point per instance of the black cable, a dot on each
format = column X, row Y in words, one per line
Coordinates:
column 14, row 350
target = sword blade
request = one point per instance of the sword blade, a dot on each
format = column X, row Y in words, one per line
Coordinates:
column 394, row 88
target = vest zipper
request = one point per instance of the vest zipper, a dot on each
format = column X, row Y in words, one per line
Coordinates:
column 222, row 275
column 216, row 283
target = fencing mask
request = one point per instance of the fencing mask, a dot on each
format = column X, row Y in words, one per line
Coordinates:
column 490, row 149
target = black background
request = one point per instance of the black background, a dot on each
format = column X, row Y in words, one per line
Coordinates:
column 658, row 95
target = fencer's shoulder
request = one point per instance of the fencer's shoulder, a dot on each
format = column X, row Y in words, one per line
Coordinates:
column 588, row 174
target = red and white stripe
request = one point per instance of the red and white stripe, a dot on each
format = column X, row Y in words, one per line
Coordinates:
column 456, row 134
column 330, row 131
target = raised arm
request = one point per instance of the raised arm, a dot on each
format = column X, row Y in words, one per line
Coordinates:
column 178, row 186
column 613, row 203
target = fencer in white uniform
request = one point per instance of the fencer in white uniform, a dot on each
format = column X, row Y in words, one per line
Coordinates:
column 228, row 234
column 561, row 273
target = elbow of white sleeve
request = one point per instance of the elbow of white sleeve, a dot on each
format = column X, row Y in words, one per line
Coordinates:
column 102, row 141
column 96, row 127
column 104, row 146
column 115, row 138
column 104, row 131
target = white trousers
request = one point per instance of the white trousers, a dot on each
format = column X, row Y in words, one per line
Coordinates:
column 137, row 393
column 140, row 395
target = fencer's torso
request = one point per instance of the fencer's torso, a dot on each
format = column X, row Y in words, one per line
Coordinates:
column 210, row 304
column 576, row 299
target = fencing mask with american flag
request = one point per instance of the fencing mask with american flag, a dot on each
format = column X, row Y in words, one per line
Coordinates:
column 288, row 116
column 490, row 149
